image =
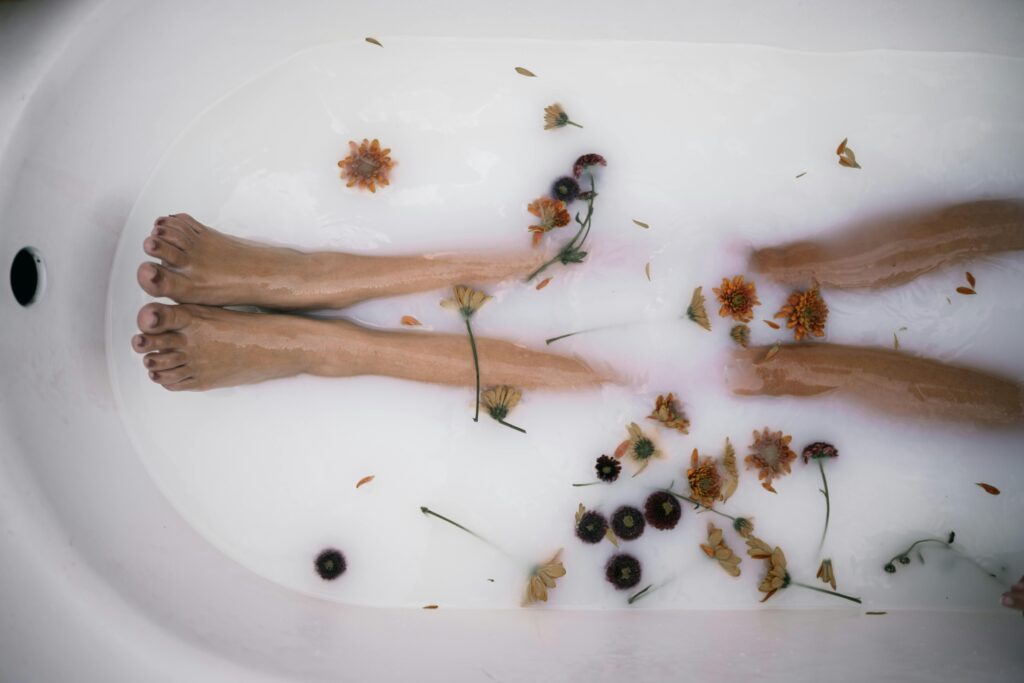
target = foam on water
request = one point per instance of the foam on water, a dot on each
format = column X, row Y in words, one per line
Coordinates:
column 703, row 143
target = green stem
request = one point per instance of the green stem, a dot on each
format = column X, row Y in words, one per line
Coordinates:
column 822, row 590
column 589, row 329
column 584, row 225
column 427, row 511
column 512, row 426
column 706, row 507
column 589, row 483
column 573, row 123
column 476, row 364
column 828, row 505
column 641, row 593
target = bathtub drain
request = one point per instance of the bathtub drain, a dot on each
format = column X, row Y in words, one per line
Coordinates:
column 27, row 276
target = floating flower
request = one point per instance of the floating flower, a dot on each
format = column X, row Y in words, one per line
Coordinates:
column 826, row 574
column 591, row 526
column 744, row 526
column 717, row 549
column 846, row 156
column 555, row 117
column 696, row 310
column 330, row 564
column 367, row 165
column 770, row 453
column 806, row 313
column 608, row 468
column 628, row 523
column 623, row 571
column 705, row 480
column 586, row 161
column 543, row 578
column 738, row 299
column 669, row 414
column 565, row 188
column 662, row 510
column 468, row 301
column 498, row 401
column 740, row 334
column 820, row 451
column 552, row 214
column 638, row 446
column 777, row 576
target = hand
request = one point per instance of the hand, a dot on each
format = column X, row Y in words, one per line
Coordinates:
column 1014, row 598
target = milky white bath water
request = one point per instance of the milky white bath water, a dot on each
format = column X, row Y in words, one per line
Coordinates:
column 704, row 144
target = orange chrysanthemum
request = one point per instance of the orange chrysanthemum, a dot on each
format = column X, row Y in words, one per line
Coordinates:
column 771, row 454
column 669, row 414
column 807, row 313
column 552, row 214
column 705, row 480
column 367, row 165
column 738, row 299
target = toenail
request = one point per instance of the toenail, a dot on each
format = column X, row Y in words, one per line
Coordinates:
column 160, row 221
column 150, row 362
column 159, row 232
column 155, row 317
column 156, row 275
column 139, row 340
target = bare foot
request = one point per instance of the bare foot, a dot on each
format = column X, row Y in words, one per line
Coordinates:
column 194, row 348
column 199, row 265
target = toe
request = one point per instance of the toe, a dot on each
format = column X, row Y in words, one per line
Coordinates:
column 186, row 221
column 164, row 360
column 190, row 384
column 155, row 318
column 144, row 343
column 168, row 253
column 156, row 280
column 172, row 376
column 174, row 234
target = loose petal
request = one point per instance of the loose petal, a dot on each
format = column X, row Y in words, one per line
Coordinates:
column 965, row 290
column 525, row 72
column 647, row 269
column 989, row 488
column 365, row 480
column 771, row 324
column 543, row 283
column 430, row 607
column 771, row 353
column 410, row 321
column 970, row 278
column 842, row 146
column 374, row 41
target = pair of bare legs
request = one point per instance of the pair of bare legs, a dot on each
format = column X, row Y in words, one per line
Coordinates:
column 199, row 345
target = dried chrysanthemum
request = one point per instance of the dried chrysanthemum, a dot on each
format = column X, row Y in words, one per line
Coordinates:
column 623, row 571
column 805, row 313
column 819, row 450
column 591, row 526
column 499, row 401
column 466, row 300
column 732, row 478
column 555, row 117
column 696, row 310
column 668, row 413
column 543, row 578
column 705, row 480
column 638, row 446
column 608, row 468
column 717, row 549
column 586, row 161
column 744, row 526
column 565, row 188
column 552, row 214
column 737, row 298
column 367, row 165
column 826, row 574
column 771, row 454
column 777, row 576
column 740, row 334
column 330, row 564
column 628, row 523
column 662, row 510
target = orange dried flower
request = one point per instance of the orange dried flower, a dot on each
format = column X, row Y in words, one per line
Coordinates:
column 669, row 414
column 705, row 480
column 806, row 313
column 738, row 299
column 367, row 165
column 771, row 454
column 552, row 214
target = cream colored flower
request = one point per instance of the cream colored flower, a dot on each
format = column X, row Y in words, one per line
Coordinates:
column 466, row 300
column 668, row 413
column 499, row 401
column 717, row 549
column 638, row 446
column 543, row 578
column 777, row 576
column 826, row 574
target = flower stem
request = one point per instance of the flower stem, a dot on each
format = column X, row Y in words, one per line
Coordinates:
column 571, row 245
column 822, row 590
column 589, row 329
column 589, row 483
column 706, row 507
column 828, row 506
column 427, row 511
column 649, row 588
column 573, row 123
column 476, row 365
column 512, row 426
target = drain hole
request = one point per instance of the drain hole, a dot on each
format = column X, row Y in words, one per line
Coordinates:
column 27, row 276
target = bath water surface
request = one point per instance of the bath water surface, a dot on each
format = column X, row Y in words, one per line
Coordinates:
column 705, row 145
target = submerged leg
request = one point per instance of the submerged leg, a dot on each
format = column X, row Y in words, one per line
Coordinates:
column 200, row 265
column 196, row 348
column 897, row 249
column 882, row 379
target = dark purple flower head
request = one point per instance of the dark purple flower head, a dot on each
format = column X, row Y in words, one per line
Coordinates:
column 591, row 527
column 587, row 160
column 819, row 450
column 608, row 468
column 330, row 564
column 628, row 523
column 565, row 189
column 662, row 510
column 623, row 571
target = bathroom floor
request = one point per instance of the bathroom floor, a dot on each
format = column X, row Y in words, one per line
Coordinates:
column 715, row 148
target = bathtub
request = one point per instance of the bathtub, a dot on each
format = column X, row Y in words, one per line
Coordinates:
column 102, row 580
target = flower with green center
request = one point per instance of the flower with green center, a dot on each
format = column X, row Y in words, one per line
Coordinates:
column 623, row 571
column 628, row 523
column 662, row 510
column 498, row 401
column 640, row 447
column 555, row 117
